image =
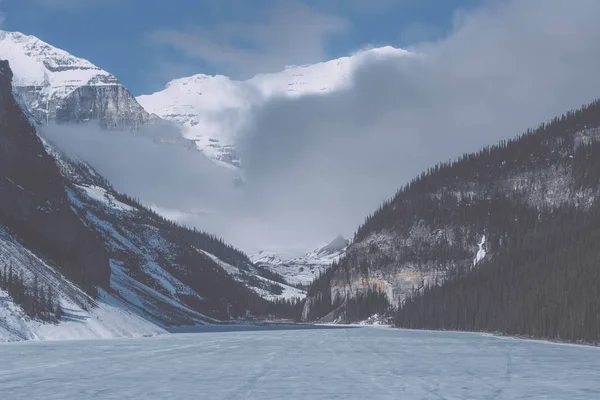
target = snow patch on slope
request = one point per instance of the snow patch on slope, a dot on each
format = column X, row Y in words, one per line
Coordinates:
column 101, row 195
column 145, row 248
column 480, row 252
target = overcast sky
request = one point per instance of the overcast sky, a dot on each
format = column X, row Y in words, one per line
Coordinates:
column 316, row 166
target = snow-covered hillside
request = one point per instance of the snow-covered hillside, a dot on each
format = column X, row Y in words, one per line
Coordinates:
column 116, row 268
column 84, row 317
column 212, row 109
column 150, row 288
column 59, row 87
column 137, row 240
column 304, row 269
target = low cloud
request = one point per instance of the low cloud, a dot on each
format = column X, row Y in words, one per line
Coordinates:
column 155, row 165
column 315, row 166
column 326, row 161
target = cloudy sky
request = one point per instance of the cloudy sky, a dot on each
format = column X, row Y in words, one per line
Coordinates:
column 147, row 43
column 315, row 166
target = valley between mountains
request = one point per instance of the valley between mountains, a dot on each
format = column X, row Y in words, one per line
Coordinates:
column 498, row 240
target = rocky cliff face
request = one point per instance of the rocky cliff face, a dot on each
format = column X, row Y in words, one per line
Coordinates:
column 57, row 87
column 33, row 201
column 112, row 106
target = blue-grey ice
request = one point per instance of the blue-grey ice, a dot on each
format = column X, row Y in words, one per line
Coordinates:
column 342, row 363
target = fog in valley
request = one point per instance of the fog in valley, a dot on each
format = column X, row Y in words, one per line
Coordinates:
column 315, row 166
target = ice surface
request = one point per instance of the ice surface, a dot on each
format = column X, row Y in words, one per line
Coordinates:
column 342, row 363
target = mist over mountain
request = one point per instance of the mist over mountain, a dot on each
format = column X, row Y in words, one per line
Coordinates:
column 80, row 260
column 312, row 162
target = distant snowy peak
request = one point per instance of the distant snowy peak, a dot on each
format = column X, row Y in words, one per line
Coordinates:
column 320, row 77
column 336, row 246
column 292, row 80
column 213, row 109
column 59, row 87
column 304, row 269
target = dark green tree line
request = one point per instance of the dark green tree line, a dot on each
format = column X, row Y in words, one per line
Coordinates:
column 37, row 301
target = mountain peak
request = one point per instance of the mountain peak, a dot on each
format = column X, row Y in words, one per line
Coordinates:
column 59, row 87
column 211, row 109
column 335, row 246
column 36, row 62
column 197, row 79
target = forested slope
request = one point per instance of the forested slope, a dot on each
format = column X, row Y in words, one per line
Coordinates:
column 512, row 224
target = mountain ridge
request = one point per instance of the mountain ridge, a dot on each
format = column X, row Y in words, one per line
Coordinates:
column 116, row 268
column 58, row 87
column 302, row 270
column 211, row 110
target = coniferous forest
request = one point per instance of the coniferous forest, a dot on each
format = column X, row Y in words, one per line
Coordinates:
column 38, row 301
column 535, row 200
column 546, row 282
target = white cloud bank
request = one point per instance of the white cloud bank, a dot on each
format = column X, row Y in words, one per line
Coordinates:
column 317, row 165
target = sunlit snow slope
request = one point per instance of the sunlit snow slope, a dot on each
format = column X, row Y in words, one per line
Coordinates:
column 212, row 110
column 59, row 87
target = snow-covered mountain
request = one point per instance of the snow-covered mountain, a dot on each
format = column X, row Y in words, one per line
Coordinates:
column 59, row 87
column 213, row 109
column 302, row 270
column 115, row 267
column 84, row 317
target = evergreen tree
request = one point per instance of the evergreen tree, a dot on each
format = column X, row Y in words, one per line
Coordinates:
column 58, row 311
column 10, row 278
column 42, row 300
column 50, row 300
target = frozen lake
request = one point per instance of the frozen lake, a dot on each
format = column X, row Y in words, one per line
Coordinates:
column 343, row 363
